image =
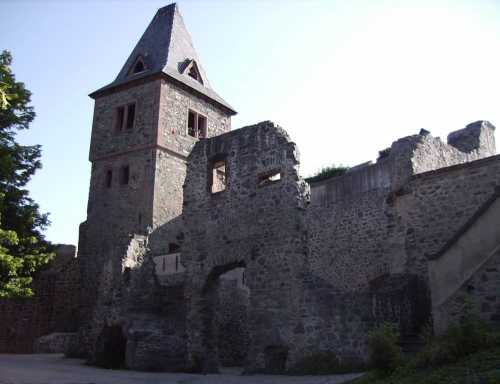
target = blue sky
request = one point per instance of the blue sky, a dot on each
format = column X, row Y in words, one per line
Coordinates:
column 344, row 78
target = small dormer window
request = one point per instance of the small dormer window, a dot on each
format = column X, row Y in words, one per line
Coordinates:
column 139, row 66
column 192, row 71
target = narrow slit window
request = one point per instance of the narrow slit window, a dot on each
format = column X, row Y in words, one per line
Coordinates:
column 164, row 266
column 218, row 176
column 124, row 175
column 176, row 263
column 119, row 118
column 269, row 178
column 109, row 178
column 130, row 116
column 192, row 123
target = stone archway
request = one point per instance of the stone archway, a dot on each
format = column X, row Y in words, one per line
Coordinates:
column 222, row 308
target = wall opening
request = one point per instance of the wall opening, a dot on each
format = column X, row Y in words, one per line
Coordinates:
column 124, row 175
column 139, row 66
column 275, row 358
column 130, row 116
column 109, row 178
column 218, row 176
column 119, row 118
column 269, row 178
column 225, row 316
column 111, row 348
column 197, row 125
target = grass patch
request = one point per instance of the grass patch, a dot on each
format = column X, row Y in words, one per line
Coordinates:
column 327, row 172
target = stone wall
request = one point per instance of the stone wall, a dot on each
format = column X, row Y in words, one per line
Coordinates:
column 254, row 223
column 53, row 307
column 384, row 220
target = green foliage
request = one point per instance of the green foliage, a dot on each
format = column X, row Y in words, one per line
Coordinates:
column 23, row 249
column 323, row 363
column 383, row 344
column 481, row 367
column 328, row 172
column 468, row 353
column 463, row 339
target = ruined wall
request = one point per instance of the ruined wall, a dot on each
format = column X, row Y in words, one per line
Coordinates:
column 384, row 220
column 259, row 228
column 53, row 307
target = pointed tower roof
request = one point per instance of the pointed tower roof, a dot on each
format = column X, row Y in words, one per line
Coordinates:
column 166, row 48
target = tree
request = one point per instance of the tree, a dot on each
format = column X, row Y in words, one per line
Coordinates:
column 23, row 249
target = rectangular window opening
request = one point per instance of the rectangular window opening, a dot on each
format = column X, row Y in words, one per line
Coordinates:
column 202, row 127
column 269, row 178
column 192, row 123
column 130, row 116
column 124, row 175
column 218, row 176
column 109, row 178
column 119, row 118
column 197, row 125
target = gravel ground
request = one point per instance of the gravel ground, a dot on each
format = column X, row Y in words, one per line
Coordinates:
column 55, row 369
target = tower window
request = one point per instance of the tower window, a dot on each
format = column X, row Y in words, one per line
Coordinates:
column 119, row 118
column 218, row 175
column 125, row 117
column 124, row 175
column 109, row 178
column 130, row 116
column 197, row 125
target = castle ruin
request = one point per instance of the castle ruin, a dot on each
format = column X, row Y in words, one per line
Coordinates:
column 204, row 247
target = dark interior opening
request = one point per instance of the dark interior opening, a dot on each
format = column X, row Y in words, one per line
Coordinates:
column 225, row 313
column 139, row 67
column 111, row 347
column 275, row 358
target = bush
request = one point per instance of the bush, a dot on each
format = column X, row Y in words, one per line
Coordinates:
column 383, row 343
column 463, row 339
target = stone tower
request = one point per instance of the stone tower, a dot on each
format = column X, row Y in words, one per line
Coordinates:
column 145, row 124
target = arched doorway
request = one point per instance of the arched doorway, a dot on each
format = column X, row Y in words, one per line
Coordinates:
column 111, row 348
column 224, row 314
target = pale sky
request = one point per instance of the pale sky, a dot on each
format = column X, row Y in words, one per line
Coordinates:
column 344, row 78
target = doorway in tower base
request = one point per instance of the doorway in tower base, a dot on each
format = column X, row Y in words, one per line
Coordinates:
column 225, row 334
column 111, row 347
